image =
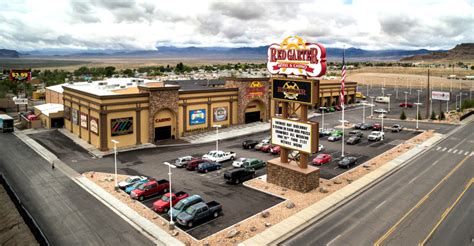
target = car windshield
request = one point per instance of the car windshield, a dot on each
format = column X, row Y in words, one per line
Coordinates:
column 165, row 198
column 179, row 205
column 319, row 157
column 141, row 186
column 190, row 210
column 129, row 180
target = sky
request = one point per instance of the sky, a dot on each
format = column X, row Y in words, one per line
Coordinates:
column 144, row 24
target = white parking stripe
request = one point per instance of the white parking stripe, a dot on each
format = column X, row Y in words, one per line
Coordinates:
column 449, row 151
column 467, row 152
column 454, row 152
column 472, row 153
column 438, row 148
column 444, row 149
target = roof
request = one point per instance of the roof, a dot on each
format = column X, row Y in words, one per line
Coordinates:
column 50, row 108
column 197, row 84
column 5, row 117
column 56, row 88
column 113, row 86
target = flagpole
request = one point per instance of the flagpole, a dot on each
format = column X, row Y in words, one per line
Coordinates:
column 343, row 99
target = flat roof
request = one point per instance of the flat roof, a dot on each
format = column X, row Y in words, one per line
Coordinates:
column 5, row 117
column 113, row 86
column 50, row 108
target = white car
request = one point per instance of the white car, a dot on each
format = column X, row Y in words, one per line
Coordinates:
column 375, row 136
column 182, row 161
column 320, row 148
column 380, row 111
column 210, row 154
column 220, row 156
column 380, row 116
column 239, row 162
column 130, row 181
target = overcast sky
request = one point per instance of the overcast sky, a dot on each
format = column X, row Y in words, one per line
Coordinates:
column 145, row 24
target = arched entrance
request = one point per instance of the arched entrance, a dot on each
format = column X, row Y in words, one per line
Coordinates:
column 164, row 125
column 254, row 111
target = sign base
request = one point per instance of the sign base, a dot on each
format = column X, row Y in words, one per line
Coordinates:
column 290, row 176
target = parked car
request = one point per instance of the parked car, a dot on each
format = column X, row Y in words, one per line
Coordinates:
column 321, row 159
column 358, row 125
column 356, row 133
column 199, row 212
column 406, row 105
column 262, row 143
column 353, row 140
column 184, row 204
column 208, row 166
column 380, row 111
column 135, row 185
column 382, row 99
column 183, row 161
column 149, row 189
column 376, row 127
column 335, row 137
column 325, row 109
column 267, row 148
column 253, row 164
column 238, row 175
column 275, row 150
column 397, row 128
column 249, row 144
column 162, row 205
column 328, row 131
column 347, row 161
column 375, row 136
column 192, row 165
column 220, row 156
column 130, row 181
column 381, row 116
column 332, row 109
column 320, row 147
column 338, row 108
column 366, row 126
column 238, row 163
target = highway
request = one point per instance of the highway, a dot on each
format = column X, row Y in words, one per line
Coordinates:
column 404, row 208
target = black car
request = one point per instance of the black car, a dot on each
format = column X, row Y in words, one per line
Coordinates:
column 238, row 175
column 358, row 125
column 249, row 144
column 353, row 139
column 366, row 126
column 347, row 162
column 356, row 133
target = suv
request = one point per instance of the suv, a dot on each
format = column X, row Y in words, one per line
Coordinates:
column 375, row 136
column 184, row 204
column 376, row 127
column 238, row 175
column 397, row 128
column 249, row 144
column 253, row 164
column 149, row 189
column 193, row 164
column 183, row 161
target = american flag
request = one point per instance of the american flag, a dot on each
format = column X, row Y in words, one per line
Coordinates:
column 343, row 78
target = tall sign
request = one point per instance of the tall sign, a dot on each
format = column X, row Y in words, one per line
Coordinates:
column 440, row 95
column 295, row 56
column 294, row 135
column 295, row 90
column 20, row 75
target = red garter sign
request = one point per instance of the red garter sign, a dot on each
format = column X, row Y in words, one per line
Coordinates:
column 296, row 56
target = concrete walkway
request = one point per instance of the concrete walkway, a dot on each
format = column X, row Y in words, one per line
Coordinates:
column 230, row 132
column 325, row 206
column 159, row 236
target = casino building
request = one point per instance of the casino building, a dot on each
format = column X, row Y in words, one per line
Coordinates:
column 136, row 111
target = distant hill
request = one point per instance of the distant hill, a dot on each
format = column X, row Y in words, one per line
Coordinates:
column 4, row 53
column 461, row 52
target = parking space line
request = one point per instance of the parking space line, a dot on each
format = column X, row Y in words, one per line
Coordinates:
column 466, row 153
column 334, row 239
column 444, row 149
column 449, row 151
column 472, row 153
column 434, row 163
column 455, row 151
column 438, row 148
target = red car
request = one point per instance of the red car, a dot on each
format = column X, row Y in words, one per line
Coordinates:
column 151, row 188
column 321, row 159
column 193, row 164
column 275, row 150
column 406, row 105
column 163, row 205
column 376, row 127
column 267, row 148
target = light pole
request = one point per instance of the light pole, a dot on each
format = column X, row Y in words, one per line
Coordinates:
column 406, row 98
column 389, row 101
column 456, row 105
column 171, row 226
column 217, row 136
column 460, row 99
column 410, row 87
column 115, row 162
column 372, row 108
column 383, row 91
column 343, row 125
column 323, row 109
column 396, row 89
column 383, row 115
column 363, row 112
column 417, row 114
column 418, row 91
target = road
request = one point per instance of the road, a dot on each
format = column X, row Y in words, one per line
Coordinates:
column 65, row 212
column 403, row 208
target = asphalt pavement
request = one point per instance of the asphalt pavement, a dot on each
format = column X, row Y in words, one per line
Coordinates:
column 65, row 212
column 383, row 211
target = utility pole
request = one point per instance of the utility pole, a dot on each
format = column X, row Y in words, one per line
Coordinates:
column 428, row 96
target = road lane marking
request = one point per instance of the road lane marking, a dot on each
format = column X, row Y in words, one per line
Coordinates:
column 434, row 163
column 394, row 227
column 413, row 179
column 446, row 212
column 380, row 204
column 334, row 239
column 472, row 153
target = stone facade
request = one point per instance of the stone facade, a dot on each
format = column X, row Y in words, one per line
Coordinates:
column 247, row 94
column 291, row 176
column 161, row 98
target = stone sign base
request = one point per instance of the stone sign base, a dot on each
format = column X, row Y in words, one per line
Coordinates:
column 290, row 176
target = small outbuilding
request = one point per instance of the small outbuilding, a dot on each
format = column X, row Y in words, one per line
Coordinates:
column 51, row 115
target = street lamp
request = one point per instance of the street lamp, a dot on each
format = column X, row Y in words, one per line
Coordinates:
column 372, row 108
column 323, row 109
column 171, row 226
column 417, row 114
column 389, row 101
column 363, row 112
column 217, row 136
column 406, row 98
column 343, row 125
column 418, row 91
column 460, row 99
column 115, row 162
column 410, row 87
column 456, row 105
column 396, row 89
column 383, row 91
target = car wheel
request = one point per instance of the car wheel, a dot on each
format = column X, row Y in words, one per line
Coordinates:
column 190, row 224
column 206, row 171
column 216, row 214
column 232, row 158
column 237, row 181
column 249, row 147
column 166, row 210
column 140, row 198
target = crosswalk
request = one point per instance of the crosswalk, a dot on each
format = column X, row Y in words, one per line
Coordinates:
column 455, row 151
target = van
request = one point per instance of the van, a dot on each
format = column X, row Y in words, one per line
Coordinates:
column 382, row 99
column 184, row 204
column 238, row 175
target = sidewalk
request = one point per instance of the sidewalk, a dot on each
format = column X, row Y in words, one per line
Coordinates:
column 133, row 218
column 230, row 132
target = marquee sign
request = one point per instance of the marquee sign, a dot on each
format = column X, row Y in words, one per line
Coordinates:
column 83, row 120
column 255, row 89
column 20, row 75
column 295, row 90
column 440, row 95
column 295, row 56
column 295, row 135
column 220, row 114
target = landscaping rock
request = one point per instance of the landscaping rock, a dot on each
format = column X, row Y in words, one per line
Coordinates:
column 175, row 233
column 337, row 182
column 284, row 189
column 290, row 205
column 323, row 190
column 268, row 224
column 265, row 214
column 253, row 228
column 232, row 233
column 365, row 165
column 328, row 184
column 266, row 187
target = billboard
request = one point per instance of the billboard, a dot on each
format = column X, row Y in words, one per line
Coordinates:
column 294, row 56
column 255, row 89
column 295, row 90
column 20, row 75
column 220, row 114
column 440, row 95
column 84, row 120
column 295, row 135
column 94, row 125
column 197, row 117
column 121, row 126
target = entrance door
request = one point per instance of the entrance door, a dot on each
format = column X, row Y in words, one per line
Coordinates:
column 57, row 122
column 162, row 133
column 252, row 117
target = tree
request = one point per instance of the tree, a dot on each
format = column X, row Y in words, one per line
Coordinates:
column 109, row 71
column 403, row 116
column 128, row 72
column 433, row 115
column 441, row 115
column 472, row 67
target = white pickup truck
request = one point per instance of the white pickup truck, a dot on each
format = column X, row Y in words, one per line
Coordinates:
column 219, row 156
column 375, row 136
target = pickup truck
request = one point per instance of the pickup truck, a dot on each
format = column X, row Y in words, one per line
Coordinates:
column 219, row 156
column 199, row 212
column 149, row 189
column 163, row 205
column 375, row 136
